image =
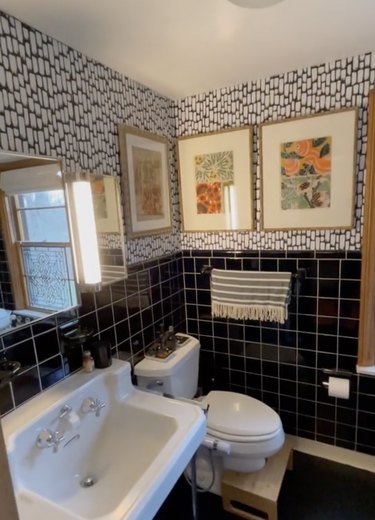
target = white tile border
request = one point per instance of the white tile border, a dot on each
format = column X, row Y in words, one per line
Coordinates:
column 367, row 371
column 334, row 453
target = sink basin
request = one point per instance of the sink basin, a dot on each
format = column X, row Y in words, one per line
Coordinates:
column 117, row 464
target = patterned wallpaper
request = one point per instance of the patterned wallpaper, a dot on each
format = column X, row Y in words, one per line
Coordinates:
column 343, row 83
column 55, row 101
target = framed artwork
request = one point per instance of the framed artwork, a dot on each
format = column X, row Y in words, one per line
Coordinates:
column 145, row 177
column 308, row 171
column 106, row 204
column 216, row 181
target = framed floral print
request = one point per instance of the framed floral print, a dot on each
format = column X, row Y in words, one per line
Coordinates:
column 145, row 180
column 308, row 171
column 216, row 181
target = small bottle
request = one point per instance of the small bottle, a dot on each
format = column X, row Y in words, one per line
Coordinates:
column 88, row 364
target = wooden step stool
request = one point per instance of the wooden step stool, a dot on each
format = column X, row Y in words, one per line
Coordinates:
column 257, row 492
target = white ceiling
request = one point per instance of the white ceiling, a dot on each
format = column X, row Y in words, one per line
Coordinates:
column 184, row 47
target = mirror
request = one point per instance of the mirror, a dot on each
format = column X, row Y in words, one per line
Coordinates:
column 36, row 257
column 37, row 275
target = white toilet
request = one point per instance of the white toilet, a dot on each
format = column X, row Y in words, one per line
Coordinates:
column 236, row 423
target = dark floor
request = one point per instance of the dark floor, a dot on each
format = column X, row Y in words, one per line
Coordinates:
column 316, row 489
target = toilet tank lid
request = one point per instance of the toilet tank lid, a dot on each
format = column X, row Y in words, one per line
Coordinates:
column 238, row 414
column 149, row 367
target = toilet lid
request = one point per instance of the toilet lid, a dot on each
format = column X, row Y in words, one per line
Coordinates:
column 239, row 415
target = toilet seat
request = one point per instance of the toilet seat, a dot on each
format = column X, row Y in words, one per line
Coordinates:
column 240, row 418
column 242, row 439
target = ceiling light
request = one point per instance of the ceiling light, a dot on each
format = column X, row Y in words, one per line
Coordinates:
column 255, row 4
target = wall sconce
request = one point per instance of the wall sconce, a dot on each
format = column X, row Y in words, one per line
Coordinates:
column 84, row 232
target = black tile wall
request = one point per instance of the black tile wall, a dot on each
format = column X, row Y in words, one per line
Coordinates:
column 282, row 364
column 127, row 313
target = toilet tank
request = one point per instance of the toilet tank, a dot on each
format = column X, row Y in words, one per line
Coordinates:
column 177, row 375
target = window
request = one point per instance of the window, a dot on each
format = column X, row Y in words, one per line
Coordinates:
column 36, row 233
column 42, row 235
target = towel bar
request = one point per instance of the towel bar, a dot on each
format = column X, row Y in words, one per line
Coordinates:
column 300, row 274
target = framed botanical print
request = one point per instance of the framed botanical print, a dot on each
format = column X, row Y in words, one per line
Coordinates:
column 216, row 181
column 308, row 171
column 145, row 174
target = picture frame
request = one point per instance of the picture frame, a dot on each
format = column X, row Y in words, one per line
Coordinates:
column 215, row 174
column 145, row 182
column 106, row 200
column 308, row 171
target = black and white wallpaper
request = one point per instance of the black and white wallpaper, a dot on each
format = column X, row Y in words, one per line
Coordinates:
column 55, row 101
column 331, row 86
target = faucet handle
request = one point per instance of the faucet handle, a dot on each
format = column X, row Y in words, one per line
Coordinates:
column 49, row 439
column 92, row 405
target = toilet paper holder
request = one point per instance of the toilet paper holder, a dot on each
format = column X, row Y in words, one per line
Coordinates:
column 344, row 374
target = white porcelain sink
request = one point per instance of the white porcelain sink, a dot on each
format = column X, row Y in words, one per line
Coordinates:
column 134, row 451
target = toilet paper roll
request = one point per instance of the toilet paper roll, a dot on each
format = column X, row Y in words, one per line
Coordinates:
column 338, row 387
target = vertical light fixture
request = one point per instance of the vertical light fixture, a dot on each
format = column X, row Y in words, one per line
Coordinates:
column 86, row 242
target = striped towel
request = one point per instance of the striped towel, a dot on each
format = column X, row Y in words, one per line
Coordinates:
column 250, row 295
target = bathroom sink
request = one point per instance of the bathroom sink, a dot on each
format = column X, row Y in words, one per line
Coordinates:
column 117, row 462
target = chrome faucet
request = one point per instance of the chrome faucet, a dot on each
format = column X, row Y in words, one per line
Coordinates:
column 92, row 405
column 49, row 439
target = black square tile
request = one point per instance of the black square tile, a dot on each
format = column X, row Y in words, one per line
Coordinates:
column 351, row 269
column 269, row 336
column 51, row 371
column 307, row 305
column 288, row 372
column 253, row 365
column 328, row 288
column 306, row 407
column 350, row 289
column 17, row 336
column 122, row 331
column 326, row 428
column 25, row 386
column 288, row 387
column 328, row 307
column 237, row 363
column 46, row 345
column 329, row 268
column 307, row 323
column 24, row 353
column 236, row 347
column 327, row 325
column 103, row 297
column 306, row 391
column 270, row 369
column 238, row 379
column 105, row 317
column 252, row 333
column 270, row 384
column 348, row 327
column 326, row 411
column 349, row 309
column 311, row 267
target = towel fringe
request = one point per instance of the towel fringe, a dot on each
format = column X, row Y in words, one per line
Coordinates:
column 250, row 312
